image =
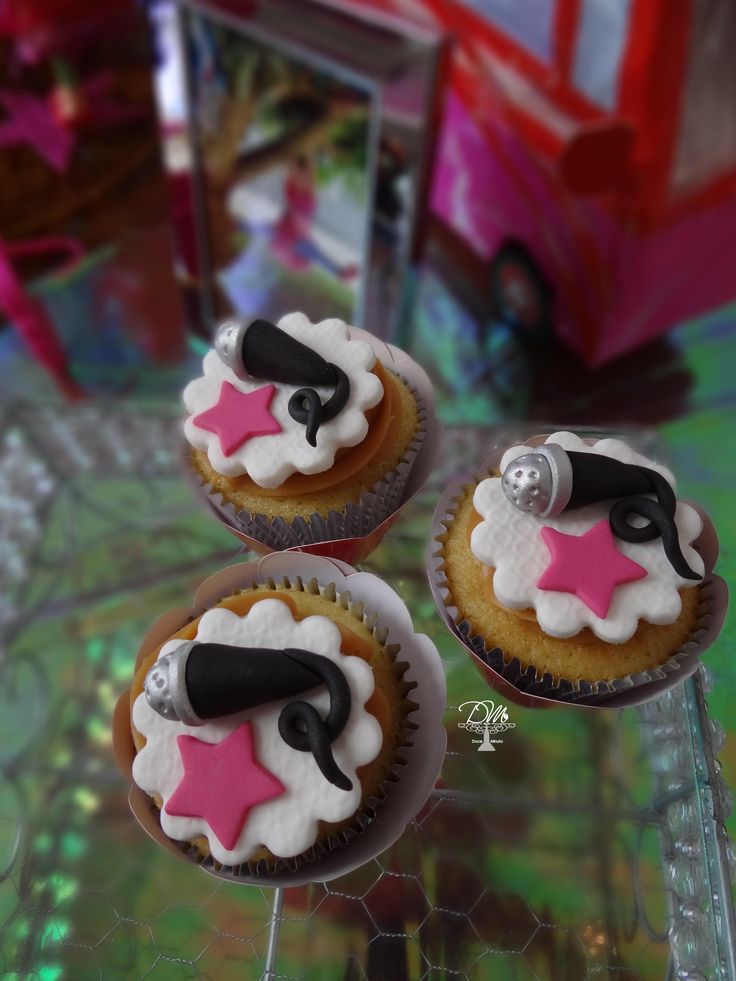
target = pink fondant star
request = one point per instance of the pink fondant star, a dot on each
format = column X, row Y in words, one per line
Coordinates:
column 589, row 566
column 238, row 416
column 221, row 782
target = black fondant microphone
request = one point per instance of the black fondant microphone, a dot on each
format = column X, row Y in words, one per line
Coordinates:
column 262, row 350
column 200, row 681
column 552, row 480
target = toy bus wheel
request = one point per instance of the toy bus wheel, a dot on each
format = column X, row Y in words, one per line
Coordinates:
column 520, row 293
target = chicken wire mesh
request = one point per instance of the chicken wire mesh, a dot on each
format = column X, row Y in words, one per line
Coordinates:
column 584, row 844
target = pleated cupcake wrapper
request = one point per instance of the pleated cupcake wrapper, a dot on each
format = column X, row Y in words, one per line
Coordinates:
column 357, row 520
column 531, row 682
column 369, row 807
column 544, row 685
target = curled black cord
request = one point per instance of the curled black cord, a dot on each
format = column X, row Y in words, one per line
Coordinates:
column 302, row 727
column 305, row 406
column 660, row 515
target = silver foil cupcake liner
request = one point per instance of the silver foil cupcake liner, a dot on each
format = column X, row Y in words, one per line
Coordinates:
column 356, row 521
column 528, row 680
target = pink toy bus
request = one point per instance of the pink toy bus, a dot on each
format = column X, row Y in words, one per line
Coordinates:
column 586, row 166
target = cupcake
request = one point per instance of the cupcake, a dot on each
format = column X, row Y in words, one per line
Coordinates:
column 571, row 569
column 298, row 433
column 267, row 728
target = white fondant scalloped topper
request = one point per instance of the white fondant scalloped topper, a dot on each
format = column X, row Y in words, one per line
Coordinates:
column 270, row 459
column 511, row 542
column 287, row 824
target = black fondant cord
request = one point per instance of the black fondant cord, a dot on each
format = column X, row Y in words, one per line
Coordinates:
column 311, row 736
column 315, row 735
column 660, row 515
column 306, row 407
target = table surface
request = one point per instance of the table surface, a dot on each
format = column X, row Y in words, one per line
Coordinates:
column 586, row 844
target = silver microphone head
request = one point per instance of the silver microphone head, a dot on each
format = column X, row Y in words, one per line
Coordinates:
column 527, row 483
column 228, row 343
column 165, row 687
column 540, row 482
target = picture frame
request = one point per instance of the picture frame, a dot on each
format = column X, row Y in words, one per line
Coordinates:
column 300, row 161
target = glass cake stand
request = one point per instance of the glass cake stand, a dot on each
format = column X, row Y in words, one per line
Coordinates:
column 582, row 844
